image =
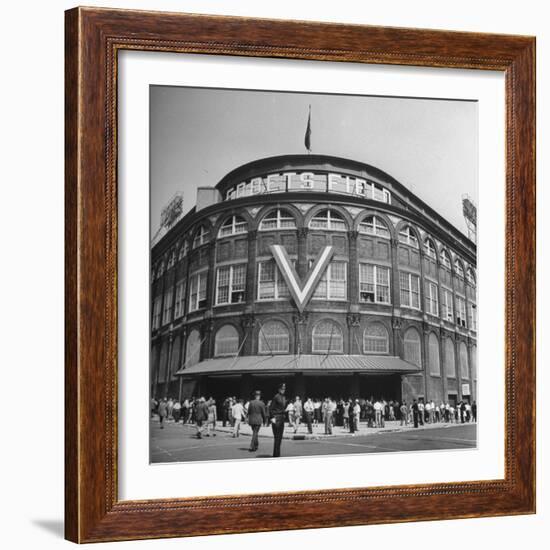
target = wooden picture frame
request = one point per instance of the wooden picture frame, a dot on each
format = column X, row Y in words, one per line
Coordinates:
column 94, row 37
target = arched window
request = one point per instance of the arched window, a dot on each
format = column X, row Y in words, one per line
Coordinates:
column 193, row 348
column 328, row 219
column 463, row 356
column 327, row 338
column 412, row 352
column 450, row 367
column 429, row 249
column 202, row 237
column 375, row 339
column 459, row 270
column 445, row 259
column 232, row 226
column 433, row 355
column 227, row 341
column 407, row 236
column 373, row 225
column 273, row 338
column 278, row 219
column 470, row 276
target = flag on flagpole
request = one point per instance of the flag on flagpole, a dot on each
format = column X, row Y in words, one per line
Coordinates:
column 307, row 140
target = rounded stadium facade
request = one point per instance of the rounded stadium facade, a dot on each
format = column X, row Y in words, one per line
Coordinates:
column 319, row 271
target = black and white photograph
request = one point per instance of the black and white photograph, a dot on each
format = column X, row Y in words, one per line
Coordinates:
column 312, row 274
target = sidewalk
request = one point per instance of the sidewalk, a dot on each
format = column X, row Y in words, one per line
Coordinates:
column 337, row 431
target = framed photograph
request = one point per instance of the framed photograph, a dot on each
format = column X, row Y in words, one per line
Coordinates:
column 300, row 271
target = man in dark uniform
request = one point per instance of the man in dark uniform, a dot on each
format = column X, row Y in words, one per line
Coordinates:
column 257, row 416
column 277, row 417
column 415, row 413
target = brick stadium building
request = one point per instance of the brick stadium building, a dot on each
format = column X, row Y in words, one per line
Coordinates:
column 393, row 315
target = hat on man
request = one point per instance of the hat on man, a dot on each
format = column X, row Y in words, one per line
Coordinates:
column 257, row 393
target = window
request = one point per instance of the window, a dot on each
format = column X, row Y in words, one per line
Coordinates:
column 327, row 338
column 447, row 305
column 461, row 311
column 184, row 249
column 463, row 358
column 410, row 290
column 459, row 270
column 432, row 300
column 278, row 219
column 273, row 338
column 375, row 339
column 429, row 249
column 470, row 276
column 445, row 259
column 232, row 226
column 202, row 237
column 433, row 355
column 193, row 349
column 373, row 225
column 333, row 283
column 328, row 219
column 167, row 309
column 412, row 352
column 159, row 270
column 171, row 259
column 271, row 283
column 157, row 305
column 197, row 292
column 374, row 284
column 180, row 300
column 407, row 236
column 231, row 284
column 472, row 316
column 226, row 341
column 450, row 367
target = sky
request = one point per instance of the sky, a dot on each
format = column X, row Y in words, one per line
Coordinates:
column 200, row 134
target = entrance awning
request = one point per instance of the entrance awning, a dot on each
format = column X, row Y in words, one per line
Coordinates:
column 334, row 364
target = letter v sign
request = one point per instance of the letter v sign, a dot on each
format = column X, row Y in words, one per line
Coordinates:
column 301, row 291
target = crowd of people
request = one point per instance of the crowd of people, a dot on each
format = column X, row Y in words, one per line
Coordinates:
column 347, row 413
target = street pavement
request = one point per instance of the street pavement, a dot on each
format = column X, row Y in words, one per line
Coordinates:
column 178, row 443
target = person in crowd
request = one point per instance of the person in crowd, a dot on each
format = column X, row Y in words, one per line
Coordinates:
column 290, row 413
column 404, row 412
column 212, row 417
column 162, row 412
column 378, row 413
column 169, row 408
column 415, row 412
column 421, row 412
column 474, row 412
column 330, row 408
column 391, row 411
column 309, row 410
column 238, row 413
column 298, row 412
column 257, row 416
column 201, row 415
column 317, row 417
column 468, row 412
column 355, row 415
column 277, row 418
column 154, row 406
column 428, row 412
column 370, row 413
column 226, row 409
column 176, row 411
column 185, row 411
column 345, row 415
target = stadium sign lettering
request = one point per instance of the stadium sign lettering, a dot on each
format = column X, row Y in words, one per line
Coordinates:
column 309, row 181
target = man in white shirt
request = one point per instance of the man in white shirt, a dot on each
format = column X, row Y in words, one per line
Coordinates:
column 238, row 413
column 378, row 413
